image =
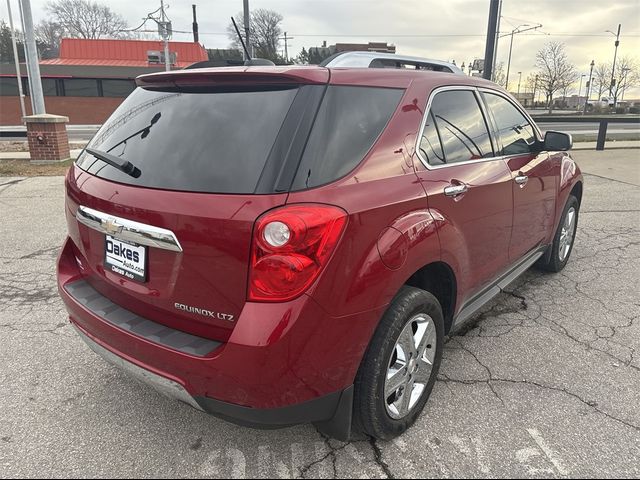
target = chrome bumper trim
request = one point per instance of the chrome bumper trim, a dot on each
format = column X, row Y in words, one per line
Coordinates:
column 162, row 385
column 128, row 230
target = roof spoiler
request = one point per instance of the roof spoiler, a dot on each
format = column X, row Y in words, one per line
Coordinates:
column 233, row 77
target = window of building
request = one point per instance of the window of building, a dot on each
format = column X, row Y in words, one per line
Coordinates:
column 8, row 87
column 117, row 87
column 49, row 88
column 81, row 87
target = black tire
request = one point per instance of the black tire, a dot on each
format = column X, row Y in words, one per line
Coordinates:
column 370, row 413
column 552, row 262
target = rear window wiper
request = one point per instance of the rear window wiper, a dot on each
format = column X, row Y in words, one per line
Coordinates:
column 123, row 165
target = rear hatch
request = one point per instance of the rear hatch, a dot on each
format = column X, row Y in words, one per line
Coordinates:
column 207, row 153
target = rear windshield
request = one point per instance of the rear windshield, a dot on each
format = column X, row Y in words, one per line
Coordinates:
column 242, row 142
column 199, row 142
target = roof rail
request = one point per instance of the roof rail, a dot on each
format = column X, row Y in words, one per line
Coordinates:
column 388, row 60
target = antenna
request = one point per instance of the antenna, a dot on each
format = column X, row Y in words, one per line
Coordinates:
column 240, row 37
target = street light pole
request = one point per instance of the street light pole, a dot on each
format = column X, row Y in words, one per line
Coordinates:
column 535, row 87
column 506, row 86
column 36, row 93
column 580, row 87
column 519, row 80
column 515, row 31
column 589, row 86
column 615, row 54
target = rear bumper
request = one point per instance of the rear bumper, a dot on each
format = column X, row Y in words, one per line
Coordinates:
column 331, row 412
column 284, row 364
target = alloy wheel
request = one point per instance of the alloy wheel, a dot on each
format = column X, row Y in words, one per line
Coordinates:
column 410, row 366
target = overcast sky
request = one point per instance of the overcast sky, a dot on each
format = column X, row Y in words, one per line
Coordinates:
column 443, row 29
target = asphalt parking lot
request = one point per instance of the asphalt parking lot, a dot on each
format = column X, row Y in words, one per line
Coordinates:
column 546, row 383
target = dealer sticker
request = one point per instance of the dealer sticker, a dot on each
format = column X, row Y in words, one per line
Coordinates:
column 126, row 259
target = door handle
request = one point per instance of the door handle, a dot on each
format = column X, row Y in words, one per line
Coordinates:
column 521, row 179
column 455, row 190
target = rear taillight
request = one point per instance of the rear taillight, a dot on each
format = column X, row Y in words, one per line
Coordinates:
column 291, row 245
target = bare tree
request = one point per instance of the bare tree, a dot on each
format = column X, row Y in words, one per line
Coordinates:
column 601, row 79
column 499, row 76
column 555, row 72
column 86, row 19
column 530, row 83
column 627, row 76
column 266, row 30
column 49, row 33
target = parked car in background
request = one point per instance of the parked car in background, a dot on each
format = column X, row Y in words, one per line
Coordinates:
column 281, row 245
column 603, row 103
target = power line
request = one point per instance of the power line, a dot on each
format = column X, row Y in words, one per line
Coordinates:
column 419, row 35
column 352, row 35
column 144, row 22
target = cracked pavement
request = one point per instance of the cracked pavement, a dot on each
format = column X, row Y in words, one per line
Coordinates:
column 545, row 382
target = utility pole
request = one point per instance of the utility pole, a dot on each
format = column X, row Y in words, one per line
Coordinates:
column 492, row 37
column 580, row 87
column 247, row 27
column 17, row 60
column 515, row 31
column 286, row 46
column 589, row 86
column 615, row 54
column 164, row 30
column 535, row 87
column 195, row 25
column 495, row 50
column 37, row 96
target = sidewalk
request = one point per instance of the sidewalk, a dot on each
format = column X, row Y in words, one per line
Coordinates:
column 609, row 145
column 25, row 155
column 616, row 164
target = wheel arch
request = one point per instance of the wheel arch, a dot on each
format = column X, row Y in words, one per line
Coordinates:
column 576, row 191
column 438, row 278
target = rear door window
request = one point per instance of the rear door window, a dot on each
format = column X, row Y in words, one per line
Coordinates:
column 456, row 130
column 200, row 142
column 348, row 123
column 514, row 130
column 430, row 145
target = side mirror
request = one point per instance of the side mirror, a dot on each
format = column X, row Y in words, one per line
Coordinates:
column 557, row 141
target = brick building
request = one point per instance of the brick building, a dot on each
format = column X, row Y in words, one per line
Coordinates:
column 91, row 78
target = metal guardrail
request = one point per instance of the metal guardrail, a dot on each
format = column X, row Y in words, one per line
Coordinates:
column 604, row 122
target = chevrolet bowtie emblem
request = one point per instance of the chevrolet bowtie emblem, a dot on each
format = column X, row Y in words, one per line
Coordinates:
column 111, row 226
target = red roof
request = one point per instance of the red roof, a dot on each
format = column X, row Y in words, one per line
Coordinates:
column 122, row 53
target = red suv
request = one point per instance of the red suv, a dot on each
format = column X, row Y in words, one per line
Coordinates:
column 282, row 245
